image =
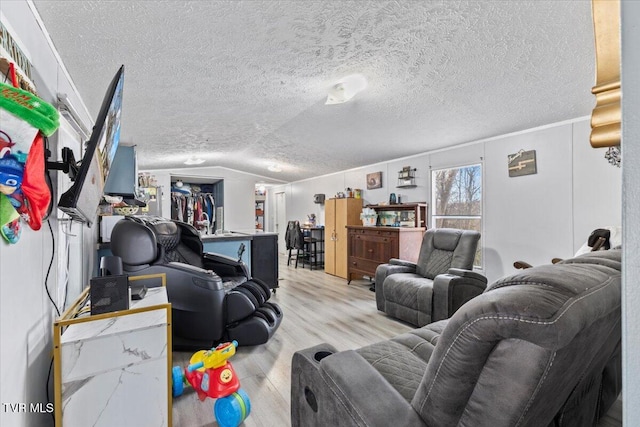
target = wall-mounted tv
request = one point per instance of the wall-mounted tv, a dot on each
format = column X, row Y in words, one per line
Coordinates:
column 81, row 201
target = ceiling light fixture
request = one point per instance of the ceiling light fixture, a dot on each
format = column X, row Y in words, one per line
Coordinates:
column 346, row 89
column 194, row 161
column 274, row 168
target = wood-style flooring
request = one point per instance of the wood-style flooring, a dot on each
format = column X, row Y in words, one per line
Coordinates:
column 317, row 308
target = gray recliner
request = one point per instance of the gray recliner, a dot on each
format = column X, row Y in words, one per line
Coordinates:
column 539, row 348
column 437, row 285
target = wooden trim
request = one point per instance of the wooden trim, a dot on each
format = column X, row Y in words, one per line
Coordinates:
column 120, row 313
column 57, row 371
column 169, row 368
column 607, row 115
column 73, row 309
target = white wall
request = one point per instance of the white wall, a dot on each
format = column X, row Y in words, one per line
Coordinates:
column 630, row 13
column 532, row 218
column 26, row 315
column 528, row 217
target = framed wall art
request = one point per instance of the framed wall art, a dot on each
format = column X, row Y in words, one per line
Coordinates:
column 374, row 180
column 522, row 163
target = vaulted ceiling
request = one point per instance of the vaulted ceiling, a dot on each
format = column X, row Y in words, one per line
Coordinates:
column 243, row 84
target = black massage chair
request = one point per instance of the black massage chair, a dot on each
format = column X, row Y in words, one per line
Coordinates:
column 212, row 297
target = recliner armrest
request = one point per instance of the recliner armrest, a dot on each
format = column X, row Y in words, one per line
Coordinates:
column 341, row 387
column 224, row 266
column 451, row 291
column 384, row 270
column 396, row 261
column 467, row 273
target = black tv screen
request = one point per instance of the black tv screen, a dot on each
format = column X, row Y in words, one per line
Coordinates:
column 81, row 201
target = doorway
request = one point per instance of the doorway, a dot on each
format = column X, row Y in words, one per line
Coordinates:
column 281, row 220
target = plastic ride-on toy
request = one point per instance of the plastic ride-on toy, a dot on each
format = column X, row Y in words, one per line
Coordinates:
column 211, row 375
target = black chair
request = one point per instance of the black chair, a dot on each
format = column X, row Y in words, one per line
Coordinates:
column 206, row 310
column 294, row 239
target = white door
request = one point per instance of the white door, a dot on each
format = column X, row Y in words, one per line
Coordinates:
column 281, row 220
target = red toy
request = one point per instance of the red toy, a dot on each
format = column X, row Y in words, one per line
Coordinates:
column 211, row 375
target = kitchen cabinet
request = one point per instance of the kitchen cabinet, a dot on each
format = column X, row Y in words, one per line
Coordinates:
column 371, row 246
column 339, row 213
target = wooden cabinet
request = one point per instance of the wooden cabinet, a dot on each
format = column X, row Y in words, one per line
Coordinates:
column 339, row 213
column 371, row 246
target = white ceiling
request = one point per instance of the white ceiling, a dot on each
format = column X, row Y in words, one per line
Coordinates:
column 243, row 83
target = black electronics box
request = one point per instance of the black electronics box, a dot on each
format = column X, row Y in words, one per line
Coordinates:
column 318, row 198
column 109, row 293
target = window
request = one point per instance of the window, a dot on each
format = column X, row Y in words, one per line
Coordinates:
column 457, row 199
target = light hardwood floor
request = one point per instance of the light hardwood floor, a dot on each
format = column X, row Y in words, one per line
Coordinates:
column 317, row 308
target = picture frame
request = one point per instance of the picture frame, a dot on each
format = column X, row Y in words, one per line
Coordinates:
column 374, row 180
column 522, row 163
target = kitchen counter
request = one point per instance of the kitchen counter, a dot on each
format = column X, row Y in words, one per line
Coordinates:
column 260, row 254
column 235, row 235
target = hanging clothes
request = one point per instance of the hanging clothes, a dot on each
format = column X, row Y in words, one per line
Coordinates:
column 190, row 208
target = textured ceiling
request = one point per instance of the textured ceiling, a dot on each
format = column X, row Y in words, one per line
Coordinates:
column 243, row 83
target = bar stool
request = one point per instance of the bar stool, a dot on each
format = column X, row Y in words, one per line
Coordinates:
column 314, row 248
column 299, row 253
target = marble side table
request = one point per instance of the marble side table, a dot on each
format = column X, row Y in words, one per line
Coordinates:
column 113, row 369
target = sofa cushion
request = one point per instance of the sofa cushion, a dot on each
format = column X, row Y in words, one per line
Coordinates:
column 408, row 297
column 402, row 360
column 438, row 263
column 409, row 290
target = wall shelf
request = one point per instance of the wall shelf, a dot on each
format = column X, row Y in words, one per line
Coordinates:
column 407, row 177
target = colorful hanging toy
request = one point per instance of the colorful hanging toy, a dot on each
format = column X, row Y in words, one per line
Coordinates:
column 24, row 119
column 211, row 375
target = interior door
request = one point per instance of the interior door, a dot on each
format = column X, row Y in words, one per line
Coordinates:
column 329, row 236
column 341, row 237
column 281, row 221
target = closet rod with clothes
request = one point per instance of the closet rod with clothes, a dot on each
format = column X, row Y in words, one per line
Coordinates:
column 194, row 208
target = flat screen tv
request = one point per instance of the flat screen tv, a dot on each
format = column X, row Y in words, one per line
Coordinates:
column 81, row 201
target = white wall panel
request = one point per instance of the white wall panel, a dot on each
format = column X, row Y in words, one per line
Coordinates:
column 630, row 16
column 528, row 217
column 597, row 187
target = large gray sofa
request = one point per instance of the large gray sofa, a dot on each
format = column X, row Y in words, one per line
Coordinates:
column 539, row 348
